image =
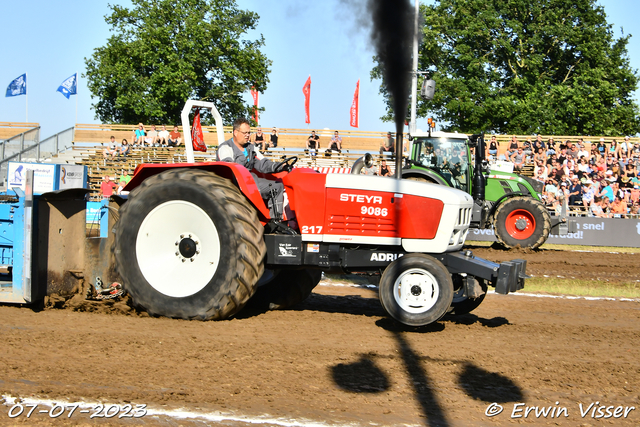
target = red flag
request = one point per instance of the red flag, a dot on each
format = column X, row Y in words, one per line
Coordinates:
column 197, row 138
column 254, row 95
column 355, row 113
column 306, row 89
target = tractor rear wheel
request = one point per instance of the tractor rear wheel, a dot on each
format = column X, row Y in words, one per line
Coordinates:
column 416, row 289
column 188, row 245
column 286, row 289
column 522, row 221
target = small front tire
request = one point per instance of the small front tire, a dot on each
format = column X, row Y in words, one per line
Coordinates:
column 416, row 290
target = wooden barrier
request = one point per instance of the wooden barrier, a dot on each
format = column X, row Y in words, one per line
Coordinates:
column 11, row 129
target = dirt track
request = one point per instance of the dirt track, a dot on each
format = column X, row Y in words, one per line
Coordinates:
column 338, row 359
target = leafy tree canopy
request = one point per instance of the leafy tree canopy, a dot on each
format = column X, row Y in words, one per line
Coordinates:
column 163, row 52
column 521, row 66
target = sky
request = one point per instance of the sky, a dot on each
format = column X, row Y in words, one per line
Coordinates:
column 49, row 40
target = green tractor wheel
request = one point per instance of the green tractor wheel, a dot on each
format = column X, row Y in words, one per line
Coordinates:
column 522, row 221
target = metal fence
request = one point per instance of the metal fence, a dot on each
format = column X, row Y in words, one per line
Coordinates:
column 27, row 147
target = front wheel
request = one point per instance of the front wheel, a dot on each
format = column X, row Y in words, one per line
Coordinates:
column 188, row 245
column 416, row 289
column 522, row 221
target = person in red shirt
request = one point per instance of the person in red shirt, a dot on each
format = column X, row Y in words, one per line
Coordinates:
column 106, row 187
column 174, row 138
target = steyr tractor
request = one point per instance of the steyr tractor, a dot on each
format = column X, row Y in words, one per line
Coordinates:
column 197, row 240
column 508, row 202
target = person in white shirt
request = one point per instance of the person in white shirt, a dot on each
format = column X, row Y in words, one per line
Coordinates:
column 163, row 136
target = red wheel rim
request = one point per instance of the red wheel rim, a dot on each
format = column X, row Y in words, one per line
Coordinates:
column 520, row 224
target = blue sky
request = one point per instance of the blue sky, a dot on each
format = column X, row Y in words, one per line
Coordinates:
column 49, row 39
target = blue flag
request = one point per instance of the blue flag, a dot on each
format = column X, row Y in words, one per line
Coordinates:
column 69, row 86
column 18, row 86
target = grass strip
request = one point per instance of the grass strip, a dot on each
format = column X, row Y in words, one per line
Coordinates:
column 557, row 286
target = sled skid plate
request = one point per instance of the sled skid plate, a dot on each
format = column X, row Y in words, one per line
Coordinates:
column 508, row 276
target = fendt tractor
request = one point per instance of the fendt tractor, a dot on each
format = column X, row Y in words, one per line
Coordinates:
column 509, row 203
column 197, row 241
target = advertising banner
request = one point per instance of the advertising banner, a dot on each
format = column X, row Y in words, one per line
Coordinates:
column 72, row 176
column 618, row 232
column 43, row 176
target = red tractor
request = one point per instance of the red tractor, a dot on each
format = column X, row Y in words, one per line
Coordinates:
column 197, row 241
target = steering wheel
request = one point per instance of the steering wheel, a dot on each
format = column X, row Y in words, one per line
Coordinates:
column 286, row 162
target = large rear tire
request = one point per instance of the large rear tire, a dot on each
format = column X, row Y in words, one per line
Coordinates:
column 286, row 289
column 188, row 245
column 416, row 289
column 522, row 221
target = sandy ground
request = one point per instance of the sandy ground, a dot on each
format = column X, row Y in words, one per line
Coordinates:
column 337, row 359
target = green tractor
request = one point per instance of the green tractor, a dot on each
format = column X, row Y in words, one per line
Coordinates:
column 508, row 202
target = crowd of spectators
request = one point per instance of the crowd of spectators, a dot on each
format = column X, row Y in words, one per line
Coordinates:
column 598, row 179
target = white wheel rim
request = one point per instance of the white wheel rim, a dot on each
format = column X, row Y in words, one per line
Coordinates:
column 158, row 252
column 416, row 290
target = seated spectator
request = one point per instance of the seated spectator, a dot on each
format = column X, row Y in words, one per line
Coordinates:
column 588, row 193
column 111, row 150
column 582, row 150
column 387, row 144
column 635, row 151
column 139, row 135
column 512, row 149
column 628, row 174
column 540, row 156
column 518, row 160
column 634, row 211
column 163, row 137
column 634, row 194
column 541, row 173
column 125, row 177
column 538, row 144
column 619, row 208
column 336, row 143
column 273, row 138
column 174, row 138
column 259, row 140
column 613, row 149
column 527, row 148
column 595, row 208
column 583, row 166
column 624, row 147
column 601, row 147
column 152, row 137
column 605, row 190
column 492, row 148
column 575, row 192
column 551, row 146
column 572, row 151
column 384, row 169
column 313, row 143
column 125, row 149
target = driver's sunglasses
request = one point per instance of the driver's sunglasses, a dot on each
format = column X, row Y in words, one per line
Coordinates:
column 244, row 133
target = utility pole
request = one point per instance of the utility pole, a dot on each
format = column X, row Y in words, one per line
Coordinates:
column 414, row 78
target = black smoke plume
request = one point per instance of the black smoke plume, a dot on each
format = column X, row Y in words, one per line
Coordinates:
column 392, row 35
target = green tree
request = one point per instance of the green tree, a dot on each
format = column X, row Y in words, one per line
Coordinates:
column 522, row 66
column 163, row 52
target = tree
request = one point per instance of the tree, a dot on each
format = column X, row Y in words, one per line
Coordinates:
column 163, row 52
column 521, row 66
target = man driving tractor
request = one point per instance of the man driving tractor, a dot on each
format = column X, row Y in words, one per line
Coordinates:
column 239, row 150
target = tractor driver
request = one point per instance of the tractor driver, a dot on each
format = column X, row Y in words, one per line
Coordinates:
column 239, row 150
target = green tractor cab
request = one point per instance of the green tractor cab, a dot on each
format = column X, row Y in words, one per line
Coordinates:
column 508, row 202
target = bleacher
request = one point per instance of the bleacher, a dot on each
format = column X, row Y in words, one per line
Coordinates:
column 11, row 129
column 91, row 139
